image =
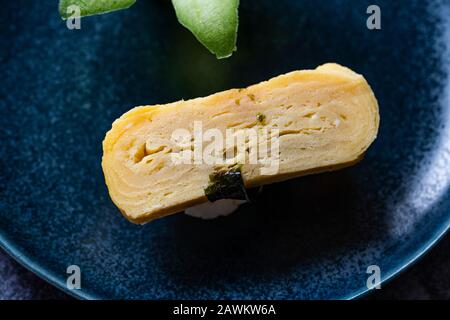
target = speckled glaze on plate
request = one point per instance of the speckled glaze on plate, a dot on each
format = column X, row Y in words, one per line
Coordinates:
column 308, row 238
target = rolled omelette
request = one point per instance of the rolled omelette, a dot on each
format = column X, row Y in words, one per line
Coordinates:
column 321, row 120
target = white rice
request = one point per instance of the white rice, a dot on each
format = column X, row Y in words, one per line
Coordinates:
column 212, row 210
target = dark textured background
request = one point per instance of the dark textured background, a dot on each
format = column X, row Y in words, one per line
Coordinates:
column 427, row 279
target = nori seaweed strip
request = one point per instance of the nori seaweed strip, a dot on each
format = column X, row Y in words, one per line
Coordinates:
column 226, row 184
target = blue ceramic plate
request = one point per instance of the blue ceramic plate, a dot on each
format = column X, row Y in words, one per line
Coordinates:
column 308, row 238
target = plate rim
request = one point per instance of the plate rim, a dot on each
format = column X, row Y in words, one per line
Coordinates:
column 47, row 275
